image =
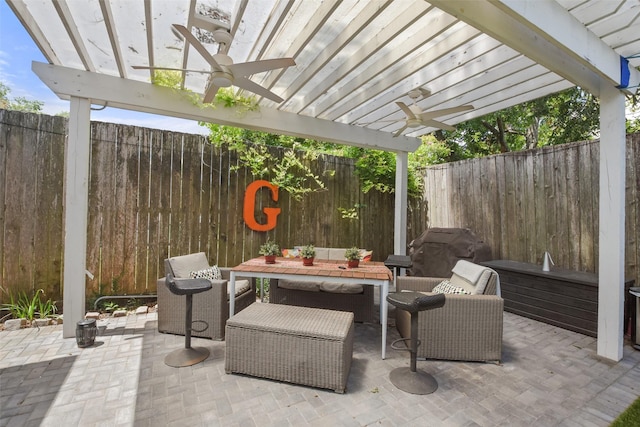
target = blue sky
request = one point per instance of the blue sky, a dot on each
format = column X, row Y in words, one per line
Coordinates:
column 17, row 51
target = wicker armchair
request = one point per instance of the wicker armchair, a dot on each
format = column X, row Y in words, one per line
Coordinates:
column 210, row 308
column 468, row 327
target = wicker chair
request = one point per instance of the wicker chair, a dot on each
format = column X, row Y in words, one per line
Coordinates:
column 210, row 308
column 468, row 327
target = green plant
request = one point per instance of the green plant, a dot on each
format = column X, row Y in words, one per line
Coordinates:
column 27, row 308
column 269, row 248
column 351, row 213
column 352, row 254
column 46, row 308
column 111, row 306
column 308, row 251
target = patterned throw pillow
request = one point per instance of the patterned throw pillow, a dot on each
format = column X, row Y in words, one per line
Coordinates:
column 445, row 287
column 211, row 273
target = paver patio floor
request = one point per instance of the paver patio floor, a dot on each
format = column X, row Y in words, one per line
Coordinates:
column 549, row 376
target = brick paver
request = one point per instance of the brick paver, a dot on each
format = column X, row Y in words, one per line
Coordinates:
column 549, row 377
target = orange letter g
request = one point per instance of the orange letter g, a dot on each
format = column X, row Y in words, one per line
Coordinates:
column 250, row 205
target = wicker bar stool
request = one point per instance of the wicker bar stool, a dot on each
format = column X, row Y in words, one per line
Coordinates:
column 409, row 378
column 188, row 355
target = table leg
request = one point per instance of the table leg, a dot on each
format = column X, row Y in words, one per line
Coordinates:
column 232, row 292
column 384, row 305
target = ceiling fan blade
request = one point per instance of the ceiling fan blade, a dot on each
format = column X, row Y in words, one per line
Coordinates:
column 210, row 93
column 437, row 124
column 399, row 131
column 143, row 67
column 444, row 112
column 193, row 41
column 245, row 69
column 245, row 83
column 406, row 110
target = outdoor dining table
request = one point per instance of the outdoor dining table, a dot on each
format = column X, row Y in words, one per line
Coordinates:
column 368, row 273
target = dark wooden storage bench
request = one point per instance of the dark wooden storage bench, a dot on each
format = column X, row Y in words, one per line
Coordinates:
column 564, row 298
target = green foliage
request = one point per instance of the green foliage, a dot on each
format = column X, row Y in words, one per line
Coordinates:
column 351, row 213
column 431, row 152
column 571, row 115
column 290, row 172
column 227, row 97
column 110, row 306
column 19, row 103
column 630, row 417
column 262, row 283
column 25, row 307
column 46, row 308
column 377, row 171
column 294, row 177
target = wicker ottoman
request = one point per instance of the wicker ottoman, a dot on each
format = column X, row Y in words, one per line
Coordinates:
column 300, row 345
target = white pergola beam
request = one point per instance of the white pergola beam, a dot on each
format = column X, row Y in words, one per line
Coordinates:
column 611, row 234
column 145, row 97
column 545, row 32
column 76, row 200
column 400, row 214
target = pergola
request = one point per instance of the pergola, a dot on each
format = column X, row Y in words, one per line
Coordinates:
column 354, row 59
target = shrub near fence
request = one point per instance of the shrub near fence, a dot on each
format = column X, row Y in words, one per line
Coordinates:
column 527, row 202
column 155, row 193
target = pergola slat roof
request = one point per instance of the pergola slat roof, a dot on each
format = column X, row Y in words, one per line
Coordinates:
column 354, row 60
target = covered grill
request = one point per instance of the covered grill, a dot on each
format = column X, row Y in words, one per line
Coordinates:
column 436, row 251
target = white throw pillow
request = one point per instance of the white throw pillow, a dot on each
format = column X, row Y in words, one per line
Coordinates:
column 445, row 287
column 211, row 273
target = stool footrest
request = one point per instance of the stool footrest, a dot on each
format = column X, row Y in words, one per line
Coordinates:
column 206, row 326
column 393, row 344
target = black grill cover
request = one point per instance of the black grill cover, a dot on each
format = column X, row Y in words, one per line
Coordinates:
column 437, row 250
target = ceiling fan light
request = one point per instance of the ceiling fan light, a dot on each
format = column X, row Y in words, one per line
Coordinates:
column 413, row 123
column 222, row 79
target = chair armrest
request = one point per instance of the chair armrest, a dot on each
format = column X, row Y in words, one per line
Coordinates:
column 418, row 284
column 476, row 317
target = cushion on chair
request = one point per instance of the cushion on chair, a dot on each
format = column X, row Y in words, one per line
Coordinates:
column 483, row 281
column 185, row 264
column 211, row 273
column 471, row 277
column 299, row 285
column 242, row 286
column 341, row 288
column 461, row 282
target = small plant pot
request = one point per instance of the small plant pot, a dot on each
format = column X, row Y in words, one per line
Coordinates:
column 307, row 262
column 353, row 263
column 269, row 259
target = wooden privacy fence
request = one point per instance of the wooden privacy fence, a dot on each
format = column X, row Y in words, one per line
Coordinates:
column 527, row 202
column 154, row 194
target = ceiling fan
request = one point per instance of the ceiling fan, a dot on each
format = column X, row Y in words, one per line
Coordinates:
column 416, row 117
column 224, row 72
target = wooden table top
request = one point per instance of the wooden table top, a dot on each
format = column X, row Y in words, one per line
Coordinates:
column 328, row 268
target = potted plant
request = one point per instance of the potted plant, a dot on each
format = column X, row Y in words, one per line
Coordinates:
column 270, row 250
column 308, row 253
column 353, row 257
